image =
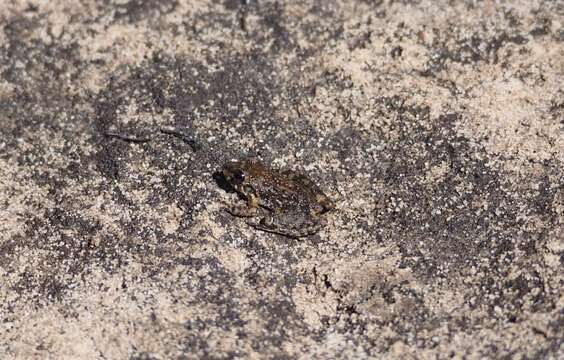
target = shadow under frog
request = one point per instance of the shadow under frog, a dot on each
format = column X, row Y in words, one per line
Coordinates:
column 278, row 201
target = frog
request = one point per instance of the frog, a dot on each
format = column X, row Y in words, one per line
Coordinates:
column 281, row 201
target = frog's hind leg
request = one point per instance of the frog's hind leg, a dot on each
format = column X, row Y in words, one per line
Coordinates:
column 269, row 224
column 309, row 227
column 262, row 223
column 323, row 202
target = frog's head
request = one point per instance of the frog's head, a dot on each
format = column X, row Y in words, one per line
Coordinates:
column 238, row 174
column 243, row 176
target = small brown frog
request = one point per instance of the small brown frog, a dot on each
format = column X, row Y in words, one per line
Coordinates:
column 279, row 201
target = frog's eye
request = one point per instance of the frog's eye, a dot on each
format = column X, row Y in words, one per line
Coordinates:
column 238, row 177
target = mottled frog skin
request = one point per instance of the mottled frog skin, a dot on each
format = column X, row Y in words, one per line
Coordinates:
column 279, row 201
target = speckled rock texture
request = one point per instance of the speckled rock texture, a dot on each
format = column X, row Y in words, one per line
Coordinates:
column 436, row 126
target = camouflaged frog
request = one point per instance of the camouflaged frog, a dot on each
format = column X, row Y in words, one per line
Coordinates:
column 278, row 201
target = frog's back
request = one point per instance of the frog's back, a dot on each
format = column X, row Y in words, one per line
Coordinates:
column 286, row 190
column 310, row 190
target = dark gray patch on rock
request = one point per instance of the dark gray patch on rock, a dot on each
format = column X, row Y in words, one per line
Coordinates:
column 137, row 10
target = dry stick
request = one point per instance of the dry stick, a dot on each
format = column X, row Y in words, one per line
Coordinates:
column 188, row 140
column 128, row 138
column 164, row 130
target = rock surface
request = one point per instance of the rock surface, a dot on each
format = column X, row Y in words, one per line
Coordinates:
column 437, row 126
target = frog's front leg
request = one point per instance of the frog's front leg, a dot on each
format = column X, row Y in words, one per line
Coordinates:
column 247, row 210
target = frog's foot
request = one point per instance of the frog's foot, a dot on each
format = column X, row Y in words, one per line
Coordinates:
column 269, row 224
column 242, row 210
